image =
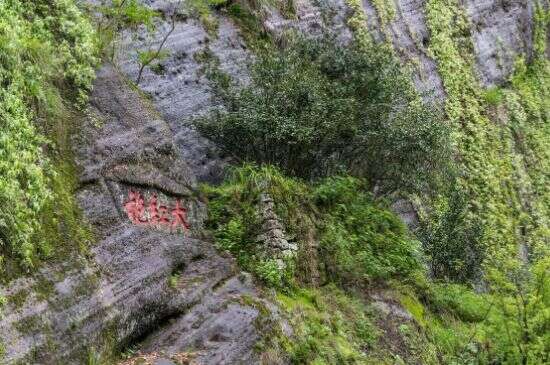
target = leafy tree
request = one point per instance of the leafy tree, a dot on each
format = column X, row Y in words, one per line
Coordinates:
column 316, row 107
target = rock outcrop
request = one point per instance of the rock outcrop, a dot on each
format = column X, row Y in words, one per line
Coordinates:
column 139, row 274
column 272, row 237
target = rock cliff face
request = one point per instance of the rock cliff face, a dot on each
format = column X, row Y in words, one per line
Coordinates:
column 140, row 276
column 501, row 31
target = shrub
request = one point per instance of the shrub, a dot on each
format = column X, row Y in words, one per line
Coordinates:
column 452, row 241
column 316, row 107
column 270, row 273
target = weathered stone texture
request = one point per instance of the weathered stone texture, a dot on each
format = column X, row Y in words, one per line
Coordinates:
column 122, row 292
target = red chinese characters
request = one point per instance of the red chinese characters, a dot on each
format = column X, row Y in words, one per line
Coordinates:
column 135, row 208
column 180, row 216
column 155, row 214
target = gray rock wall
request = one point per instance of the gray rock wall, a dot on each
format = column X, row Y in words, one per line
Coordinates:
column 136, row 275
column 501, row 32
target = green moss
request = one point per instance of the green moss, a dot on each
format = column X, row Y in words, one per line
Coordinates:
column 414, row 307
column 298, row 299
column 173, row 280
column 459, row 301
column 493, row 96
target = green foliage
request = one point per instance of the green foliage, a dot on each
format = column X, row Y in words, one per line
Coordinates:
column 133, row 14
column 466, row 327
column 452, row 242
column 440, row 336
column 3, row 302
column 202, row 9
column 173, row 280
column 360, row 240
column 330, row 327
column 518, row 327
column 93, row 358
column 233, row 217
column 493, row 96
column 117, row 15
column 459, row 301
column 504, row 175
column 230, row 235
column 316, row 107
column 497, row 167
column 148, row 56
column 24, row 190
column 44, row 45
column 250, row 24
column 485, row 167
column 270, row 273
column 386, row 11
